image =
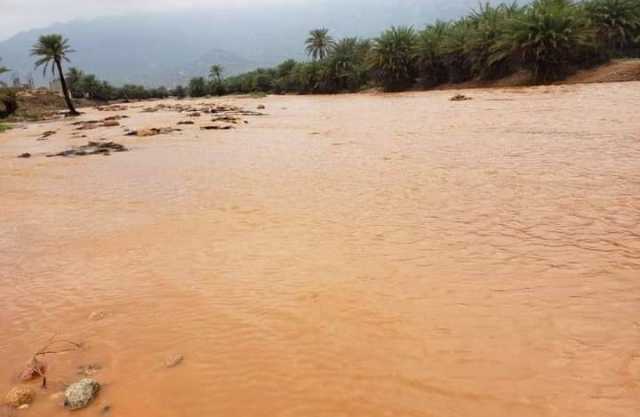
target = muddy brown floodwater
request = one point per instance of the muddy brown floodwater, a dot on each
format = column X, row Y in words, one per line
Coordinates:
column 356, row 256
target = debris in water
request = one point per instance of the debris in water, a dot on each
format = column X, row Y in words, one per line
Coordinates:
column 216, row 127
column 152, row 132
column 460, row 97
column 46, row 134
column 92, row 148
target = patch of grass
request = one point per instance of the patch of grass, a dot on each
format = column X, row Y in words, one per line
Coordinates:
column 4, row 127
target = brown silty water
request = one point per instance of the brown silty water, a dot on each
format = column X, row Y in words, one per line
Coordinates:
column 356, row 255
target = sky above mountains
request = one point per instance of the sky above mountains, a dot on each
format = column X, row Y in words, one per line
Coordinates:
column 22, row 15
column 165, row 42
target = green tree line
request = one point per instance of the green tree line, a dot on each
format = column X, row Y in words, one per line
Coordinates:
column 548, row 38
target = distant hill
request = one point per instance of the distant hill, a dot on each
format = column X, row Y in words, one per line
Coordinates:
column 168, row 49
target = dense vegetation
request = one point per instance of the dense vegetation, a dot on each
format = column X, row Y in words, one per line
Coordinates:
column 547, row 38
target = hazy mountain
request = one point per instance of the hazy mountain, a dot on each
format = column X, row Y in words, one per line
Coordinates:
column 155, row 49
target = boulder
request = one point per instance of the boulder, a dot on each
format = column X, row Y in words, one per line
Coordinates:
column 80, row 394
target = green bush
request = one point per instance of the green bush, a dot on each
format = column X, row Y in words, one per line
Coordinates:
column 8, row 102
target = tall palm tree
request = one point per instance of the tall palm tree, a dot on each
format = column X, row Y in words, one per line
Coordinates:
column 319, row 44
column 52, row 50
column 215, row 73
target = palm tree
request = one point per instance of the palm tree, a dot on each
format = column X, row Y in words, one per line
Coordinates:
column 394, row 57
column 215, row 73
column 545, row 38
column 52, row 50
column 616, row 22
column 319, row 44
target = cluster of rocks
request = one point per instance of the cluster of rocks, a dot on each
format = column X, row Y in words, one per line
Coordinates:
column 77, row 395
column 92, row 148
column 153, row 131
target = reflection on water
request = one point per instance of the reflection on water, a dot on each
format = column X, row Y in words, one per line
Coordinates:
column 368, row 256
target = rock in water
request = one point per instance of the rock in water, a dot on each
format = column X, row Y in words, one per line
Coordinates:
column 173, row 360
column 19, row 396
column 80, row 394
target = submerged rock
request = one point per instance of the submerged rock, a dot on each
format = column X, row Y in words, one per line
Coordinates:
column 97, row 316
column 19, row 396
column 80, row 394
column 173, row 360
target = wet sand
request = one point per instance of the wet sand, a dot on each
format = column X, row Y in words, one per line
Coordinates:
column 357, row 255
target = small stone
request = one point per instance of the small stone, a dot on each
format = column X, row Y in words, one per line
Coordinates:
column 261, row 107
column 24, row 155
column 105, row 410
column 111, row 123
column 173, row 360
column 23, row 407
column 20, row 395
column 80, row 394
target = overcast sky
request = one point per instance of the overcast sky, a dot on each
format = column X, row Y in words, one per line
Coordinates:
column 20, row 15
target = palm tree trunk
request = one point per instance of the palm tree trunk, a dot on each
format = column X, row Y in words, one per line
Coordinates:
column 65, row 90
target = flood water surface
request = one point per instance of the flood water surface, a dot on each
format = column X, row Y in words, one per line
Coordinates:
column 356, row 256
